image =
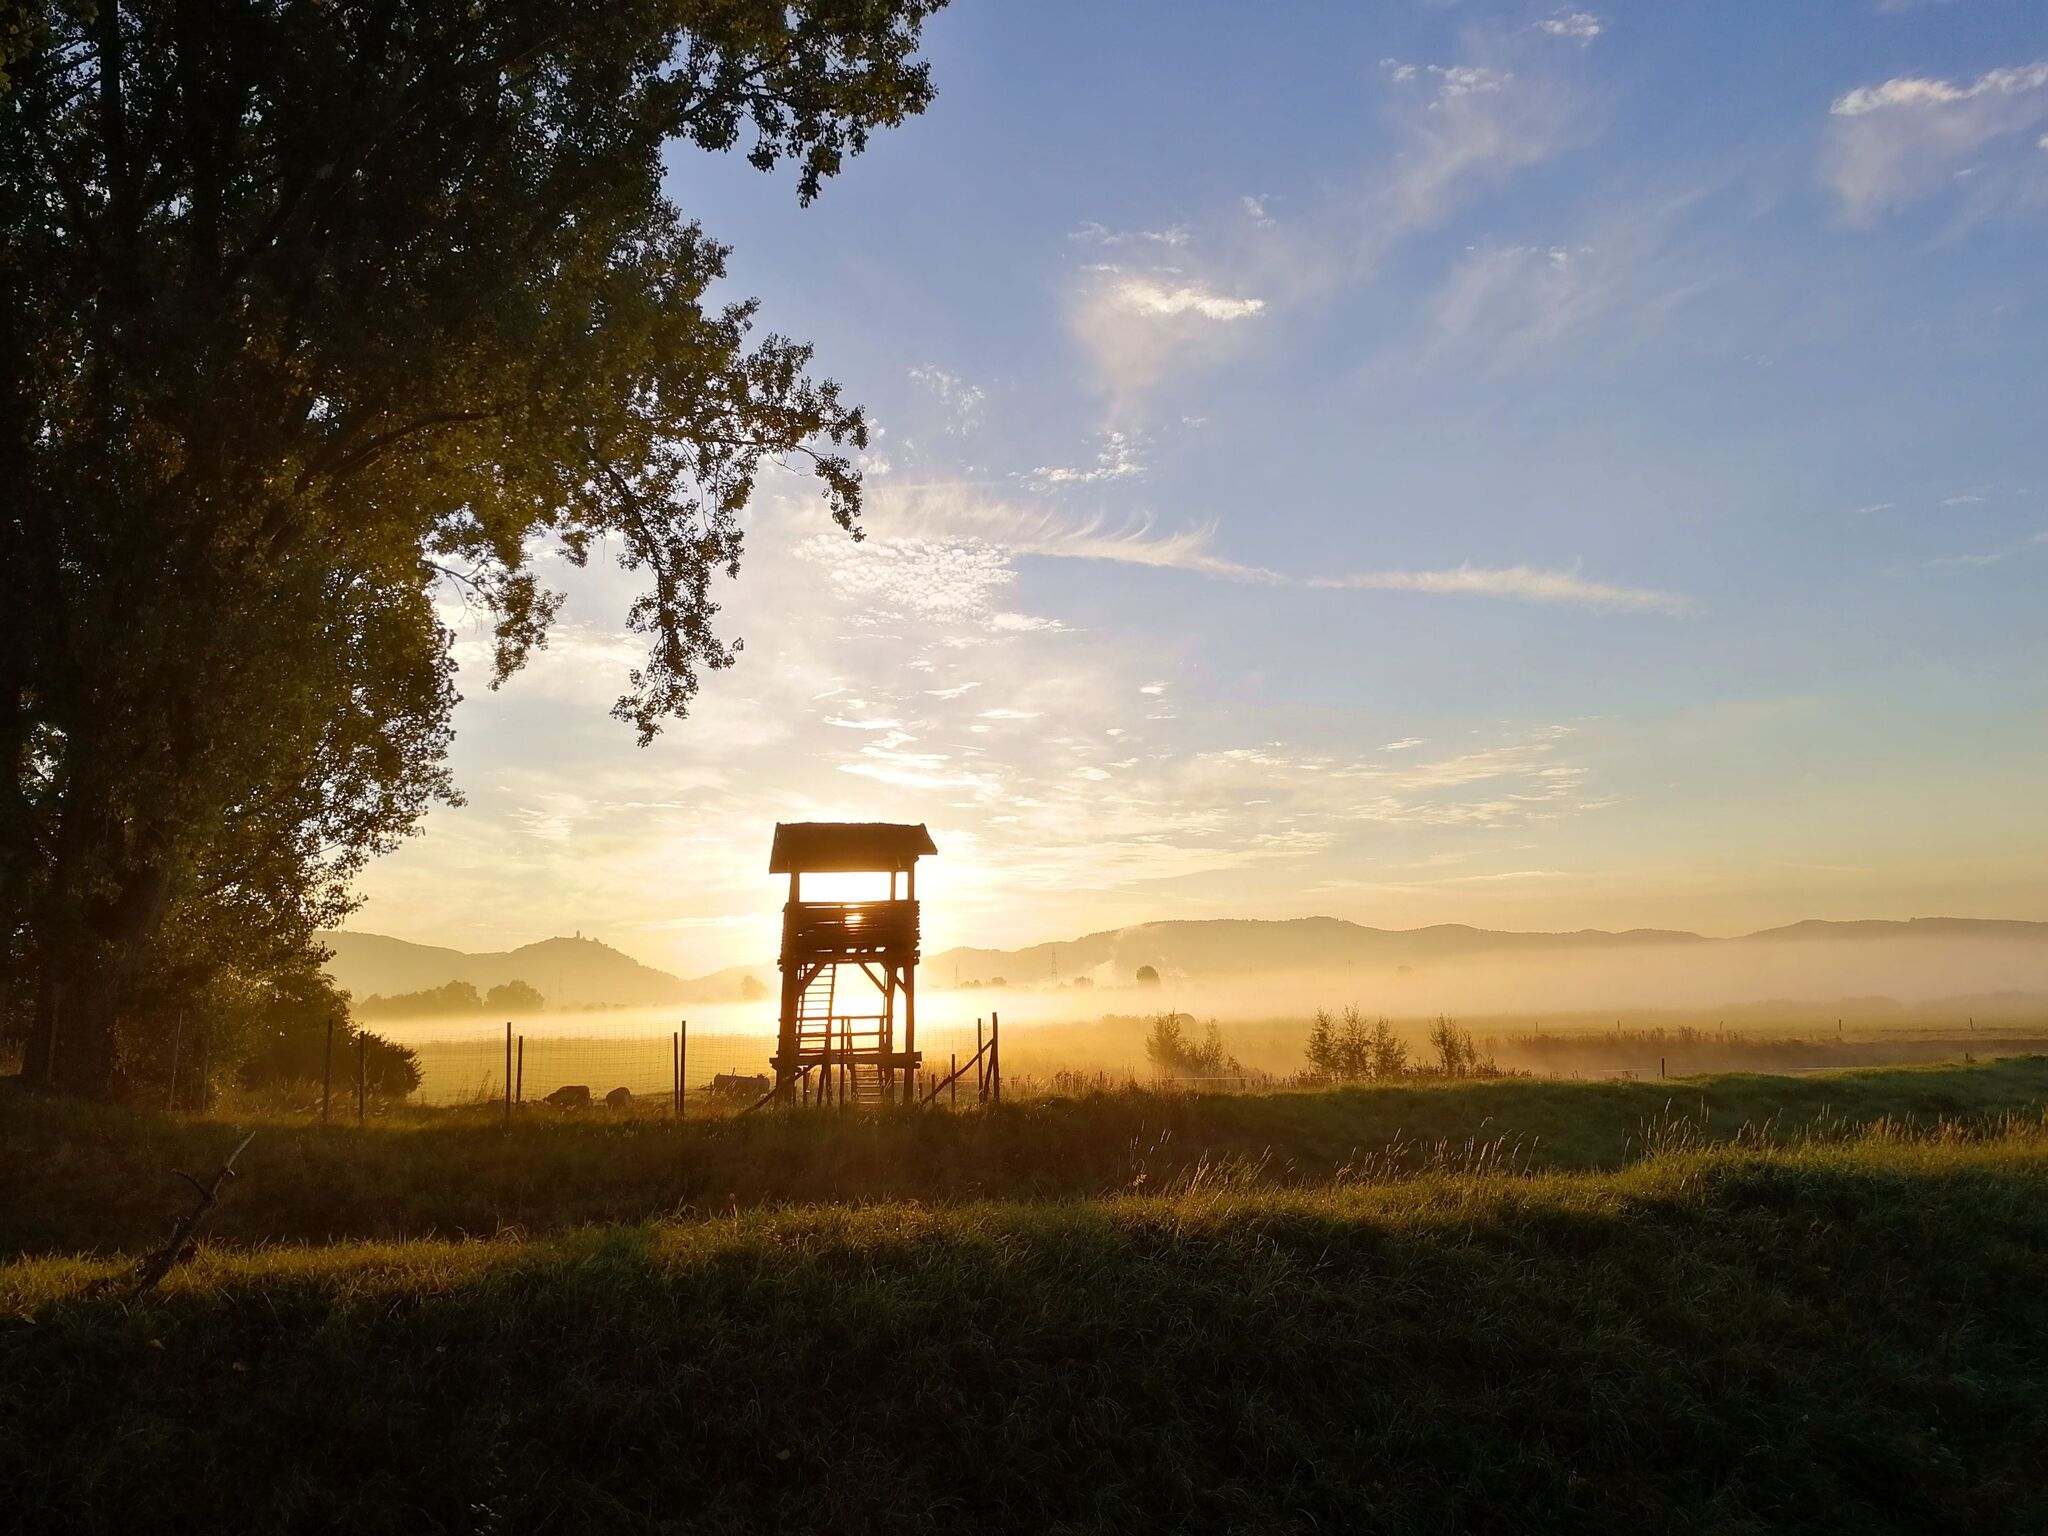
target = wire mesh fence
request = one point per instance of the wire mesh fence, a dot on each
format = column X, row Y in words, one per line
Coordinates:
column 563, row 1069
column 682, row 1069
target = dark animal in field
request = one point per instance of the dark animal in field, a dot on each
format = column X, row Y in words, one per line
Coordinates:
column 618, row 1098
column 569, row 1096
column 741, row 1084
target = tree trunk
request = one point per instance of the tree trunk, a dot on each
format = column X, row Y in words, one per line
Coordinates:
column 87, row 951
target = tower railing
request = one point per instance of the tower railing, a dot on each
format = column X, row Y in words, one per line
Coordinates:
column 822, row 930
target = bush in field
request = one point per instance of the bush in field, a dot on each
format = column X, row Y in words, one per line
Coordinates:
column 1389, row 1055
column 1351, row 1050
column 1457, row 1056
column 296, row 1052
column 1322, row 1044
column 1176, row 1052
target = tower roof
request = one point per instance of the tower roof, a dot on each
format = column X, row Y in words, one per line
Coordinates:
column 847, row 846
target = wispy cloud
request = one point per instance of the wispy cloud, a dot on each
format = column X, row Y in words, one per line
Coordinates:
column 1057, row 771
column 1891, row 143
column 1091, row 233
column 1463, row 127
column 1512, row 298
column 933, row 516
column 1165, row 300
column 961, row 400
column 1579, row 26
column 1993, row 557
column 1527, row 583
column 1035, row 530
column 1117, row 459
column 1165, row 304
column 896, row 580
column 1139, row 325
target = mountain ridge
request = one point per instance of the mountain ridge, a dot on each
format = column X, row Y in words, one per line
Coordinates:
column 580, row 972
column 568, row 972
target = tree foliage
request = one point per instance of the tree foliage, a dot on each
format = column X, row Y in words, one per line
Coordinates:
column 1176, row 1051
column 1348, row 1049
column 514, row 997
column 290, row 1041
column 454, row 998
column 321, row 319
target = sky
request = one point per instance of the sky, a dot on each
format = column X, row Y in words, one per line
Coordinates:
column 1410, row 462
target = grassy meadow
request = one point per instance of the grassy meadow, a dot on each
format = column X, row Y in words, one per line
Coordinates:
column 1729, row 1304
column 103, row 1180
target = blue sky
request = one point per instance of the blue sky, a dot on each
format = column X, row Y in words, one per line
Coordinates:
column 1539, row 467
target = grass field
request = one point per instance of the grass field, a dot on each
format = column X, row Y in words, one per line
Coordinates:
column 102, row 1177
column 1552, row 1306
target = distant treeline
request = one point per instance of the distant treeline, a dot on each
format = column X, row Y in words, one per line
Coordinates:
column 455, row 999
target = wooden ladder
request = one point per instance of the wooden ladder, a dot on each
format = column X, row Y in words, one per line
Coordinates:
column 814, row 1009
column 867, row 1083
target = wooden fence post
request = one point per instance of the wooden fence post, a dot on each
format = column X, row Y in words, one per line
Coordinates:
column 508, row 1071
column 995, row 1056
column 362, row 1078
column 177, row 1039
column 682, row 1067
column 327, row 1075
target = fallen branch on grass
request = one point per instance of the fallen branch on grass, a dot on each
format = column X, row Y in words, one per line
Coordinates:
column 179, row 1247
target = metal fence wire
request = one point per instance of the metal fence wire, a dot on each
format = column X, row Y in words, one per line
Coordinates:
column 680, row 1070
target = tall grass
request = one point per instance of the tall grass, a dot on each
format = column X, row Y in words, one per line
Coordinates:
column 1842, row 1332
column 102, row 1177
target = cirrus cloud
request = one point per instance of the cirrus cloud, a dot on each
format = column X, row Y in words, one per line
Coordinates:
column 1528, row 583
column 1891, row 143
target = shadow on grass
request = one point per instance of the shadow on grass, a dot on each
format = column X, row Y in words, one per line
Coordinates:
column 101, row 1177
column 1836, row 1338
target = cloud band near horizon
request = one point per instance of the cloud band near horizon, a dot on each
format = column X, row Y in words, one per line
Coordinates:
column 1038, row 531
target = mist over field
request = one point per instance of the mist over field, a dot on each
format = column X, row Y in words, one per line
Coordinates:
column 1803, row 975
column 1690, row 974
column 1598, row 1007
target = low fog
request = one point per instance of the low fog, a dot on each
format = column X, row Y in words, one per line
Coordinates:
column 1814, row 975
column 1923, row 987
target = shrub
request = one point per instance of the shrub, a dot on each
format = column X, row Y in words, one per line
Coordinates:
column 1322, row 1044
column 299, row 1055
column 1175, row 1052
column 1389, row 1055
column 1351, row 1050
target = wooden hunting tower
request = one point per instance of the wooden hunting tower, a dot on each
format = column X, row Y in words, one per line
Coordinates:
column 836, row 1047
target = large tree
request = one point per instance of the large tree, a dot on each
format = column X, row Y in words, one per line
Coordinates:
column 316, row 311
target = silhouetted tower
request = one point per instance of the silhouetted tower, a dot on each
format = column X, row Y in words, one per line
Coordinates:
column 837, row 1043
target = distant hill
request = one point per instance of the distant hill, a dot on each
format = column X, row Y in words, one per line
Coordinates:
column 1240, row 946
column 1911, row 928
column 579, row 972
column 569, row 973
